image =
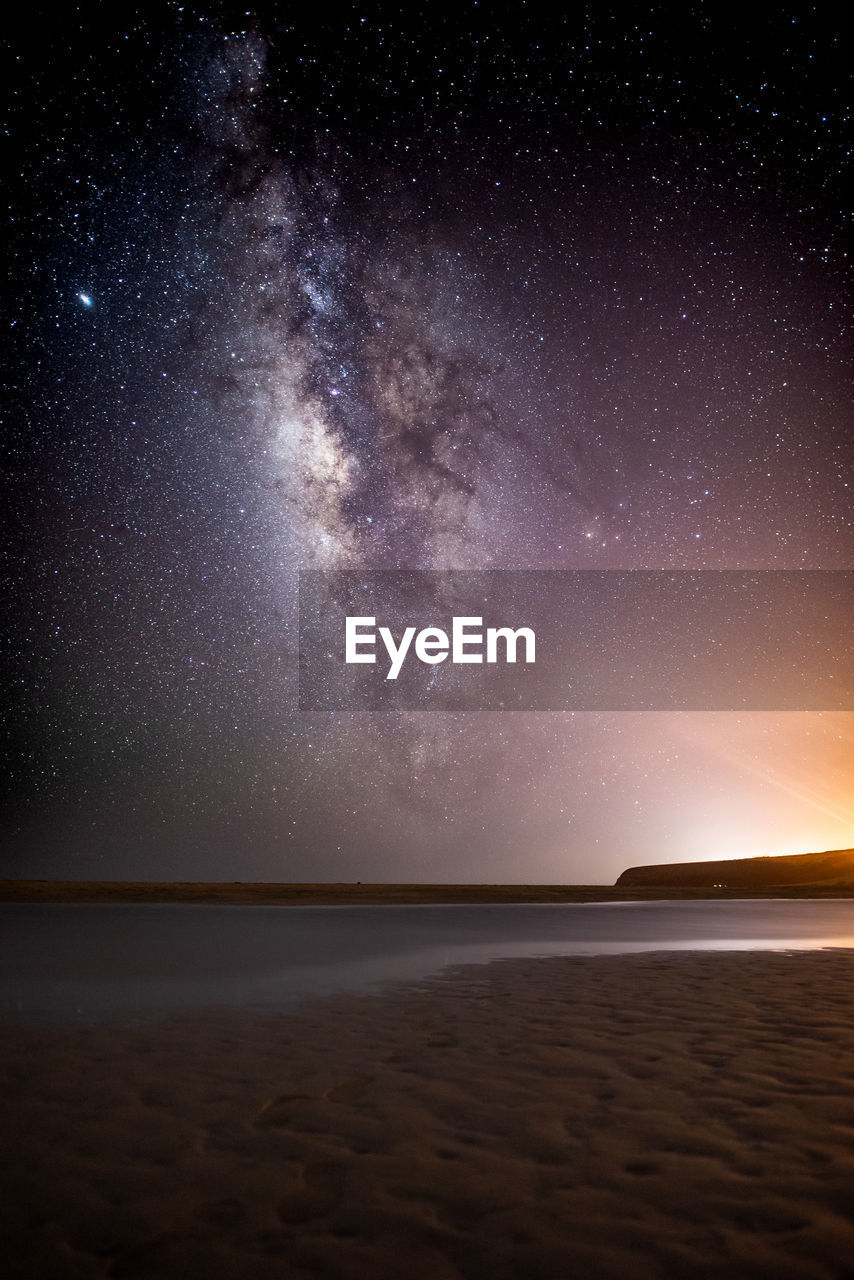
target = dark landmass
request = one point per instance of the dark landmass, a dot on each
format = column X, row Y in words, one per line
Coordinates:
column 263, row 894
column 687, row 880
column 807, row 874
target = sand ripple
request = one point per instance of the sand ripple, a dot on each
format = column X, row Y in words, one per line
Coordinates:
column 659, row 1116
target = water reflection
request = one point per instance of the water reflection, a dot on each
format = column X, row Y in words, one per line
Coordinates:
column 74, row 963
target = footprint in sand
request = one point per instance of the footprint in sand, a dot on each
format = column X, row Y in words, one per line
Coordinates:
column 282, row 1109
column 353, row 1087
column 314, row 1193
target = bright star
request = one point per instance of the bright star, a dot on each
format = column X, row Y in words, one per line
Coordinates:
column 85, row 299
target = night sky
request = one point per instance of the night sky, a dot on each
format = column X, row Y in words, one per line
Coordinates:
column 412, row 287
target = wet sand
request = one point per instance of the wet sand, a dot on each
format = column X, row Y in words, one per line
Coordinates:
column 661, row 1115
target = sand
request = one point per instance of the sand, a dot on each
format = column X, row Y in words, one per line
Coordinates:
column 666, row 1115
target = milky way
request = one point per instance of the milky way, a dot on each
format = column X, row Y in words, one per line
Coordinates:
column 468, row 288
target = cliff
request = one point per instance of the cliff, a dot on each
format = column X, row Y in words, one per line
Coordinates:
column 834, row 867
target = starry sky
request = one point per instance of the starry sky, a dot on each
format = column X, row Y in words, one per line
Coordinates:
column 469, row 286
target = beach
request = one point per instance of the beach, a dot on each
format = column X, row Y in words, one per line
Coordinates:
column 658, row 1115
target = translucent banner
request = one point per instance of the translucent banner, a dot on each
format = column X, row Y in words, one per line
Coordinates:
column 577, row 640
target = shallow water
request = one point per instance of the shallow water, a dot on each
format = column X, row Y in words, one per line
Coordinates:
column 80, row 963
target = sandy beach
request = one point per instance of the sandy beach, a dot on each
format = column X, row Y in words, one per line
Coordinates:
column 663, row 1115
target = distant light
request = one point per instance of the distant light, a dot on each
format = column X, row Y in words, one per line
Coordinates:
column 85, row 299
